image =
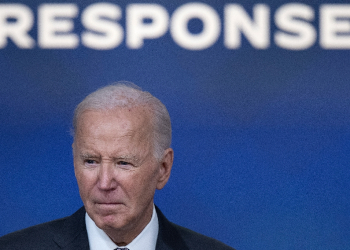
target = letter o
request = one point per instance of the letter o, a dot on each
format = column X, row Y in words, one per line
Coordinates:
column 211, row 26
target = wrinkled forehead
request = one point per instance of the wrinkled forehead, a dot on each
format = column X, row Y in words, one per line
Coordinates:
column 136, row 120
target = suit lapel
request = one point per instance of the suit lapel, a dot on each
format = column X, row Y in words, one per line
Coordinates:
column 168, row 236
column 72, row 234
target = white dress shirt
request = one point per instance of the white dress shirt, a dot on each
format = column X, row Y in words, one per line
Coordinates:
column 146, row 240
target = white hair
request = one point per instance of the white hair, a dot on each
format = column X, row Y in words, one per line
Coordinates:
column 127, row 95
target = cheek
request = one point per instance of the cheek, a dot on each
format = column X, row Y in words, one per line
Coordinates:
column 85, row 182
column 145, row 184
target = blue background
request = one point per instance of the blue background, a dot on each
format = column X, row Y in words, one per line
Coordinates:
column 261, row 137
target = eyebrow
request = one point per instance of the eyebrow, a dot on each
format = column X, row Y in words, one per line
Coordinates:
column 127, row 158
column 87, row 155
column 124, row 158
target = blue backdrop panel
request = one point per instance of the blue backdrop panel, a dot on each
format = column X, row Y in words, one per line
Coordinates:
column 261, row 135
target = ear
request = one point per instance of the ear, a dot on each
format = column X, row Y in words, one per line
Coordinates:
column 165, row 167
column 73, row 149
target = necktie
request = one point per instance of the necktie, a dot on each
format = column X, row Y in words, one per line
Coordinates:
column 121, row 248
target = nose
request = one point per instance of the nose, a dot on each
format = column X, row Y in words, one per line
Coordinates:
column 106, row 176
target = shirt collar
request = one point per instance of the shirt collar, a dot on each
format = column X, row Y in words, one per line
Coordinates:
column 146, row 240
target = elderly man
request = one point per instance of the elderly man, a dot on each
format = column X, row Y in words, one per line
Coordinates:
column 122, row 154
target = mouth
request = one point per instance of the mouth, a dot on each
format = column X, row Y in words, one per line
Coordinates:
column 108, row 203
column 108, row 207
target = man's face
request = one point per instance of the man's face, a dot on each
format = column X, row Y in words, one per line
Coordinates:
column 115, row 168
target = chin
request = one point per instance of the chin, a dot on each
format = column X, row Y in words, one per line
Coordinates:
column 111, row 221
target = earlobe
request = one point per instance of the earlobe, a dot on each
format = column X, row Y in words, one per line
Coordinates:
column 165, row 168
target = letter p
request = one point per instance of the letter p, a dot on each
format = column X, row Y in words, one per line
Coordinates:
column 138, row 29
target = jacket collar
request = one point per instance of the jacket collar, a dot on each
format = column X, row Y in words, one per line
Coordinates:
column 72, row 234
column 168, row 237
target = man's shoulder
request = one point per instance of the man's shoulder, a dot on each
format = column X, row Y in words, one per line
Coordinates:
column 173, row 236
column 41, row 233
column 195, row 240
column 37, row 237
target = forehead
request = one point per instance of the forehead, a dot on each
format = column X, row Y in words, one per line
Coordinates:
column 115, row 122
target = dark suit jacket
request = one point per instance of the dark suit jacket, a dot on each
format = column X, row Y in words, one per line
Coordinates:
column 70, row 234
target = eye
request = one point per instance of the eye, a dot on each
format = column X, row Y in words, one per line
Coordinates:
column 124, row 165
column 90, row 162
